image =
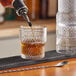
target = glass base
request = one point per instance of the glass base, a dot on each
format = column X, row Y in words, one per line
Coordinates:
column 32, row 57
column 66, row 52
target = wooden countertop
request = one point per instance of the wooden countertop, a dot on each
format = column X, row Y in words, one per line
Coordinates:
column 67, row 70
column 11, row 28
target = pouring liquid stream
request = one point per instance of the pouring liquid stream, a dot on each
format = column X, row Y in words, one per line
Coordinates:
column 33, row 32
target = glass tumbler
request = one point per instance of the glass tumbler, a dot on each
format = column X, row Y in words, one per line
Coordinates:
column 33, row 41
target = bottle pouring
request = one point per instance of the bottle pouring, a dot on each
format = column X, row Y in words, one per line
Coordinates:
column 20, row 7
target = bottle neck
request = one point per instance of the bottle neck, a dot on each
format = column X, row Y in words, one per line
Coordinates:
column 20, row 7
column 21, row 10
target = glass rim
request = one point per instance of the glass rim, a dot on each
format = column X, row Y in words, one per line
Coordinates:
column 34, row 27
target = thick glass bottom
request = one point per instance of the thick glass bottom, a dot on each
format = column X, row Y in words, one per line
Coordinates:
column 32, row 57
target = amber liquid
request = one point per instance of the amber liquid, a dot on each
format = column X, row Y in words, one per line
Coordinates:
column 32, row 30
column 6, row 2
column 31, row 48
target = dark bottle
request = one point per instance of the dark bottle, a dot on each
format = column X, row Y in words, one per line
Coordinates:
column 43, row 9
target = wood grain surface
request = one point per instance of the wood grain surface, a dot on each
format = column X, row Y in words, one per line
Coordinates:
column 67, row 70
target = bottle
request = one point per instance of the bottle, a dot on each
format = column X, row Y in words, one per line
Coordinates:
column 52, row 8
column 43, row 9
column 66, row 27
column 20, row 8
